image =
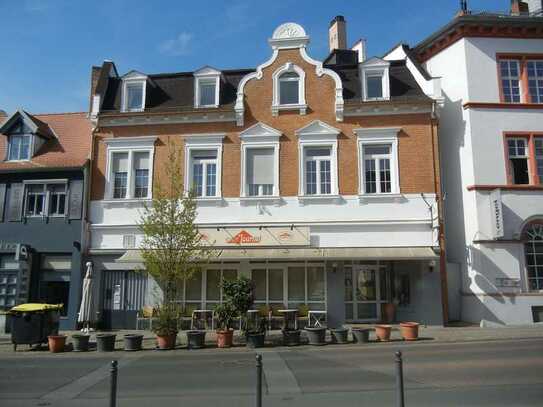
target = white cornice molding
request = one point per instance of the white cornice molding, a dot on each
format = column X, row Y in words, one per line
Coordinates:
column 167, row 118
column 260, row 132
column 317, row 128
column 377, row 132
column 205, row 138
column 139, row 141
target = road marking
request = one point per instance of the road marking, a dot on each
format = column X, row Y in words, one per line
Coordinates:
column 78, row 386
column 279, row 377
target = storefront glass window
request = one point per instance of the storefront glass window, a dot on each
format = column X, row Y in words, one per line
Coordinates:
column 276, row 284
column 193, row 288
column 296, row 284
column 366, row 286
column 315, row 283
column 213, row 284
column 259, row 281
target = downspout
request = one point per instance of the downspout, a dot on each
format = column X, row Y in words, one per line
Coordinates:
column 439, row 193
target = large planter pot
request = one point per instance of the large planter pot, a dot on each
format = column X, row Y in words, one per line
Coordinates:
column 132, row 342
column 196, row 339
column 291, row 337
column 410, row 331
column 383, row 332
column 56, row 343
column 389, row 312
column 105, row 342
column 255, row 340
column 340, row 335
column 316, row 335
column 165, row 342
column 80, row 342
column 361, row 335
column 225, row 339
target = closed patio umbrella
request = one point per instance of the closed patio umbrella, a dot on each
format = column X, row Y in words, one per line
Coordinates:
column 86, row 310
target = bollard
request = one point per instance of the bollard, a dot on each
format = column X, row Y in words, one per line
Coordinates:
column 113, row 384
column 399, row 380
column 258, row 380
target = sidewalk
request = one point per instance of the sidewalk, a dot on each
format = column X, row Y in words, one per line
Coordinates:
column 431, row 334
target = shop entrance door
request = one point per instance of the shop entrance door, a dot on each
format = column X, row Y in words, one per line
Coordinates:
column 123, row 294
column 363, row 294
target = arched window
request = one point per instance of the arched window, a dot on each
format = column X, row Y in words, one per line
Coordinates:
column 289, row 88
column 533, row 248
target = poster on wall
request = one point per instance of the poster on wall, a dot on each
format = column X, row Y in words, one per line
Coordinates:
column 496, row 211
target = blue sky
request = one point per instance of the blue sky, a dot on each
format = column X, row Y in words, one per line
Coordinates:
column 49, row 46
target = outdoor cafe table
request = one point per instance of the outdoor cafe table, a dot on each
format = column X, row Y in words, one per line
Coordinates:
column 289, row 315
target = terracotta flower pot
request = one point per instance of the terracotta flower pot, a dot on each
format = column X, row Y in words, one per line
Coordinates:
column 383, row 332
column 410, row 331
column 225, row 338
column 56, row 343
column 166, row 341
column 389, row 312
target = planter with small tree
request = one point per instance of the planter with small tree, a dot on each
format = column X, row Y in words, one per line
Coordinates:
column 225, row 314
column 173, row 249
column 239, row 294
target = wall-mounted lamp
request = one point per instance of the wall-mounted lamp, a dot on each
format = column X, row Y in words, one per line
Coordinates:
column 334, row 267
column 218, row 229
column 260, row 228
column 291, row 227
column 431, row 265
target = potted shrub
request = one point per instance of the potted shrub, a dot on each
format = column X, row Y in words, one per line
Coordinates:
column 80, row 342
column 165, row 326
column 361, row 335
column 56, row 343
column 340, row 335
column 383, row 332
column 132, row 342
column 225, row 314
column 239, row 294
column 316, row 335
column 409, row 330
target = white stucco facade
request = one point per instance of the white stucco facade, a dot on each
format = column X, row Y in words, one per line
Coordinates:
column 473, row 154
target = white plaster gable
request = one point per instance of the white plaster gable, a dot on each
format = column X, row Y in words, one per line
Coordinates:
column 317, row 127
column 134, row 75
column 207, row 71
column 260, row 132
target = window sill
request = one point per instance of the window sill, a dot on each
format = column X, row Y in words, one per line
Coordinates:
column 309, row 199
column 209, row 201
column 206, row 106
column 302, row 108
column 385, row 198
column 109, row 202
column 133, row 110
column 255, row 200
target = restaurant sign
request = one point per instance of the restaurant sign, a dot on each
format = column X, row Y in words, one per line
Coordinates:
column 256, row 237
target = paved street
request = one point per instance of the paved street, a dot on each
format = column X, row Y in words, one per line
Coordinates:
column 494, row 373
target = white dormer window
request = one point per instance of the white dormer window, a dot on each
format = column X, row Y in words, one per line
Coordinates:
column 289, row 89
column 374, row 75
column 134, row 92
column 19, row 147
column 207, row 82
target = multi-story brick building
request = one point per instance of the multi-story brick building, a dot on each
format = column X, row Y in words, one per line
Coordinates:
column 491, row 133
column 320, row 181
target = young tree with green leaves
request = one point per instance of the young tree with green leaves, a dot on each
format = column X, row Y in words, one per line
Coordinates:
column 173, row 249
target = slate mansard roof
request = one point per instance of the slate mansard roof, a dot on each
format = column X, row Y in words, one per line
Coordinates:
column 67, row 145
column 174, row 92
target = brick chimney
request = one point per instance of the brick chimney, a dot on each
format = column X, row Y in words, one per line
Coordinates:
column 3, row 116
column 463, row 8
column 337, row 33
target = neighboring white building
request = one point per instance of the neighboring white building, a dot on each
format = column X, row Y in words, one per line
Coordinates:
column 491, row 138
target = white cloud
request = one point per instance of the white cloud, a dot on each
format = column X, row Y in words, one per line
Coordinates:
column 178, row 46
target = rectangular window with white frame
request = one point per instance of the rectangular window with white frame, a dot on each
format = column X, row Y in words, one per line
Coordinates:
column 207, row 96
column 378, row 161
column 19, row 148
column 318, row 170
column 203, row 165
column 44, row 198
column 260, row 171
column 204, row 173
column 130, row 167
